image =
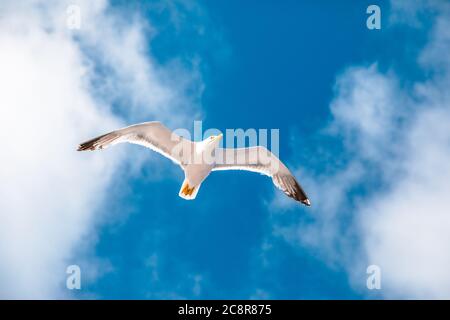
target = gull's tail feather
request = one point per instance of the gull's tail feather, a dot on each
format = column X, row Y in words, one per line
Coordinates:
column 188, row 191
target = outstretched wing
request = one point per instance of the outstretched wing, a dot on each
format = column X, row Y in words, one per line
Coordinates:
column 153, row 135
column 259, row 159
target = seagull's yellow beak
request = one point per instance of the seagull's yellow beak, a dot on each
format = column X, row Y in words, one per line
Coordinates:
column 219, row 137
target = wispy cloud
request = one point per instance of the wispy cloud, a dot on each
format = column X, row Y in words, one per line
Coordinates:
column 386, row 201
column 60, row 86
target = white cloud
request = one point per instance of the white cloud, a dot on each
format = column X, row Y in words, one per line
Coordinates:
column 389, row 205
column 54, row 94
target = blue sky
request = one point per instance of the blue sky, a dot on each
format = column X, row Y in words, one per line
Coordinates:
column 353, row 106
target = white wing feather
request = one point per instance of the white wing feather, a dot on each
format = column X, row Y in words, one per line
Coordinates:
column 153, row 135
column 259, row 159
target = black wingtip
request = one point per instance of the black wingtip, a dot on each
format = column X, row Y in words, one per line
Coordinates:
column 91, row 144
column 306, row 202
column 300, row 195
column 86, row 146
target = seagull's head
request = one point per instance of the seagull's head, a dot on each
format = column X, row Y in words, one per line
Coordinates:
column 214, row 140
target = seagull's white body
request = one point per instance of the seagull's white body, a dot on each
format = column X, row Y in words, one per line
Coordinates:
column 196, row 173
column 199, row 159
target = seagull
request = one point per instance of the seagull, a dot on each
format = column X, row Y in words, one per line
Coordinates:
column 199, row 159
